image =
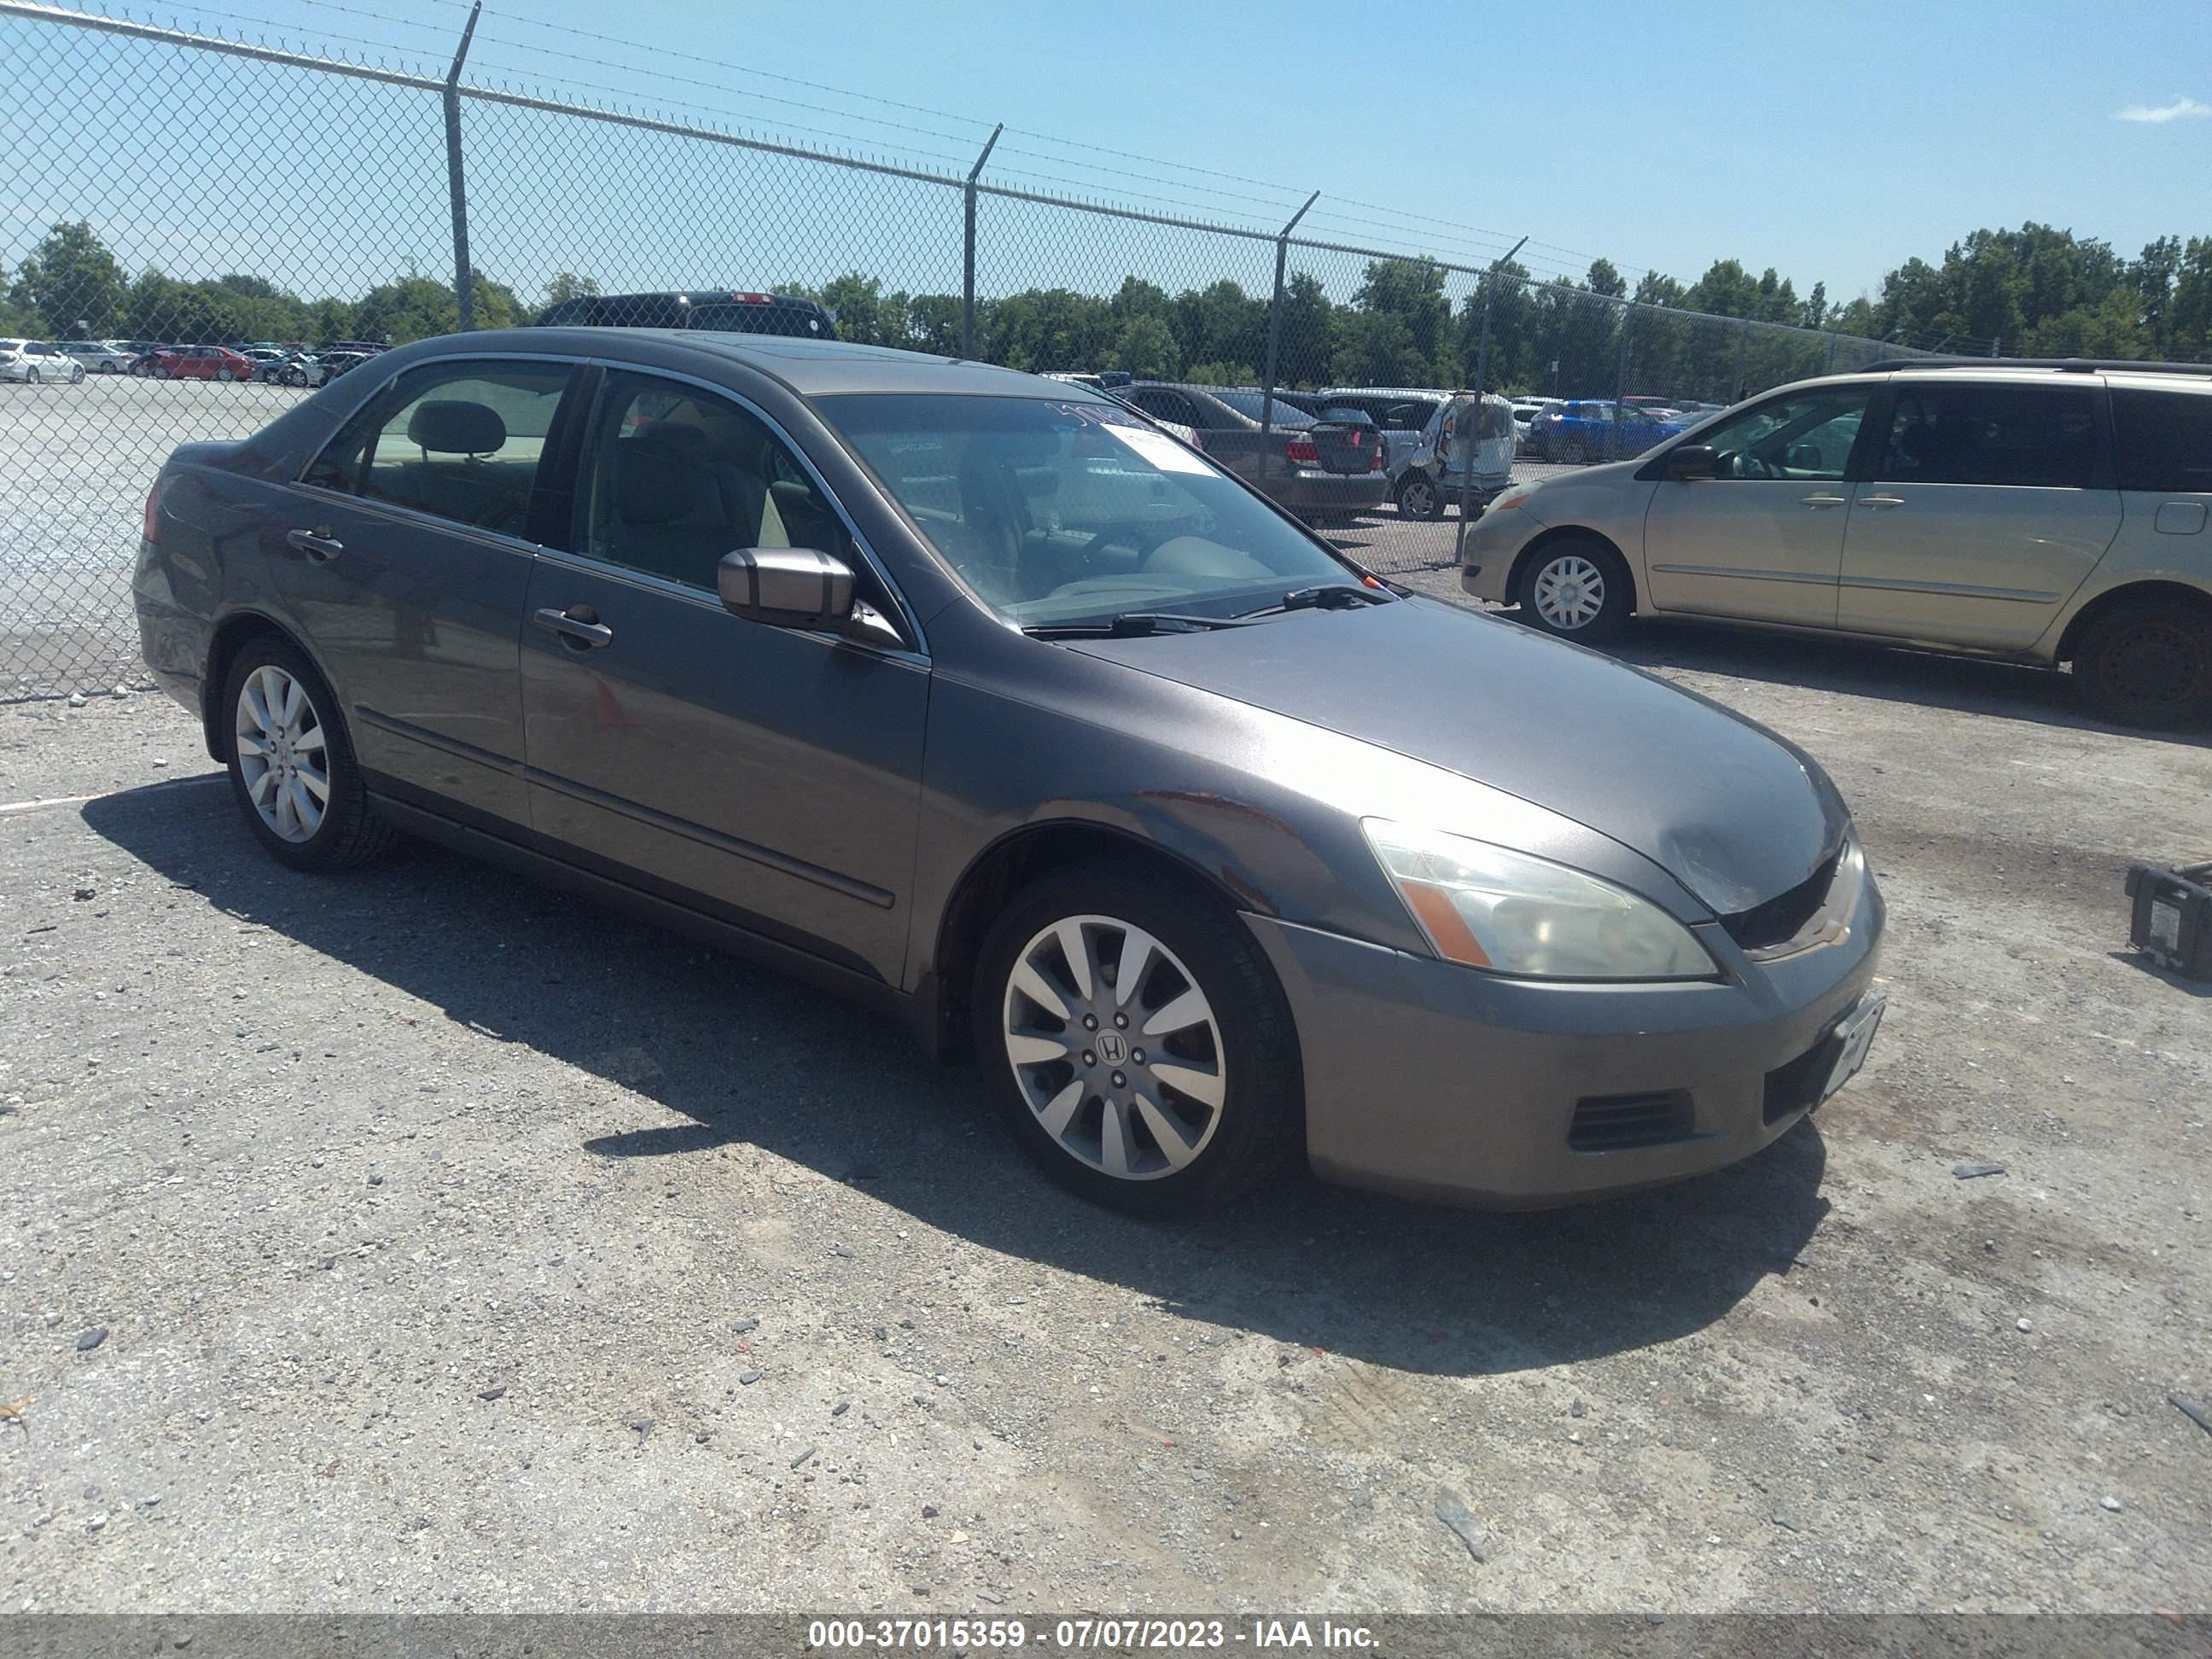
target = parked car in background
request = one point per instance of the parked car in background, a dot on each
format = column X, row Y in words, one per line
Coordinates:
column 2051, row 513
column 1585, row 429
column 1315, row 469
column 200, row 362
column 1403, row 413
column 1213, row 850
column 266, row 360
column 318, row 367
column 96, row 356
column 34, row 361
column 1466, row 450
column 724, row 310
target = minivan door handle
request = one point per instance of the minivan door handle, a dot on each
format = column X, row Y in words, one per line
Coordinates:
column 1822, row 498
column 582, row 633
column 1881, row 500
column 317, row 544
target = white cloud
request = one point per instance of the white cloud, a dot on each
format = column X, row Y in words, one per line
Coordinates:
column 2181, row 109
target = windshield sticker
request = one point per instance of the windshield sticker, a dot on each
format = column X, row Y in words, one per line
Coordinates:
column 1162, row 451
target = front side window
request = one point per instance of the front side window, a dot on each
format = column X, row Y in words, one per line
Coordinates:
column 1807, row 436
column 1063, row 513
column 2165, row 441
column 677, row 477
column 460, row 440
column 2027, row 436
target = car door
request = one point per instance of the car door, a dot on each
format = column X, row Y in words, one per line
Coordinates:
column 1986, row 505
column 1763, row 538
column 768, row 776
column 404, row 554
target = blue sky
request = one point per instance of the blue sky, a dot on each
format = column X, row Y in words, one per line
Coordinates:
column 1829, row 142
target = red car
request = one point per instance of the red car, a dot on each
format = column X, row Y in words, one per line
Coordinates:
column 201, row 362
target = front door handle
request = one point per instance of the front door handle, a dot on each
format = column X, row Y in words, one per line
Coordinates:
column 1822, row 498
column 583, row 633
column 1881, row 500
column 317, row 544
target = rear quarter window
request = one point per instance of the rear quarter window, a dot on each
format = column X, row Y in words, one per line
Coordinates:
column 2165, row 441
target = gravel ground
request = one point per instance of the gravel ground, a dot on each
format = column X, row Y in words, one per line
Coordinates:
column 424, row 1240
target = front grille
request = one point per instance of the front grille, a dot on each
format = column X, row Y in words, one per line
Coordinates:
column 1797, row 1086
column 1612, row 1123
column 1783, row 917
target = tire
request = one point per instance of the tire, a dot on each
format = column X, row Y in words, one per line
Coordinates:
column 76, row 375
column 162, row 372
column 1577, row 588
column 2147, row 665
column 1419, row 497
column 140, row 371
column 30, row 377
column 348, row 832
column 1237, row 1051
column 294, row 377
column 225, row 375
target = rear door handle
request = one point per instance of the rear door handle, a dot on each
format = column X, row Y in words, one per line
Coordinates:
column 1881, row 500
column 1822, row 498
column 574, row 630
column 317, row 544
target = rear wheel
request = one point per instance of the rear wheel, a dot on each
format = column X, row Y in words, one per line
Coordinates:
column 1577, row 588
column 30, row 377
column 225, row 375
column 77, row 374
column 292, row 767
column 1139, row 1047
column 2147, row 664
column 1418, row 496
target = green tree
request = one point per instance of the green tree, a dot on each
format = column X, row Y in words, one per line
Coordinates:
column 1220, row 375
column 567, row 285
column 70, row 277
column 1147, row 349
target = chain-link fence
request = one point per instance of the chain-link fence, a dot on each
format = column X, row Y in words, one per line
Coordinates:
column 198, row 231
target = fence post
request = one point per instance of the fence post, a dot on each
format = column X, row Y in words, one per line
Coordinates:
column 1275, row 335
column 1489, row 289
column 456, row 183
column 1620, row 387
column 1742, row 332
column 967, row 255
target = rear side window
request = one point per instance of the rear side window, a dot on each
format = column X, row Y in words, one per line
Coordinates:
column 2026, row 436
column 2165, row 441
column 459, row 440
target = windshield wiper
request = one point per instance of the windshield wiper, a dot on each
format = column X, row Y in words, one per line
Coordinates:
column 1129, row 624
column 1325, row 596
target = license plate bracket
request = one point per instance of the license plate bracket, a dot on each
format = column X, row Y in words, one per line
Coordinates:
column 1853, row 1037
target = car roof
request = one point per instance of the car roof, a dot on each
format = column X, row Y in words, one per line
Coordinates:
column 812, row 368
column 1383, row 392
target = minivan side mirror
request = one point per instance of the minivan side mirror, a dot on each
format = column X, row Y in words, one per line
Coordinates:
column 1692, row 461
column 797, row 588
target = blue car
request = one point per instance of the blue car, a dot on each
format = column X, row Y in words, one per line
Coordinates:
column 1584, row 429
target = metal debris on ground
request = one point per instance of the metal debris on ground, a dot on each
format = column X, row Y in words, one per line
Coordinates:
column 1974, row 1171
column 1454, row 1514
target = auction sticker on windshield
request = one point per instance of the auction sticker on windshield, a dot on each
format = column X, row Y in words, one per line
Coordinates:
column 1162, row 451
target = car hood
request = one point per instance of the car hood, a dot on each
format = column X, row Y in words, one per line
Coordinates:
column 1734, row 812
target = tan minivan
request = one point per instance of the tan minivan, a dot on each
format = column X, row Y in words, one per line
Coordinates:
column 2047, row 512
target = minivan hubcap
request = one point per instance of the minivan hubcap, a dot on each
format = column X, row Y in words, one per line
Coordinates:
column 2158, row 663
column 1417, row 500
column 1115, row 1048
column 280, row 756
column 1570, row 592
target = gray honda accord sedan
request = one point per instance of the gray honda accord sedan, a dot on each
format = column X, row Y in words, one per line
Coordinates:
column 983, row 699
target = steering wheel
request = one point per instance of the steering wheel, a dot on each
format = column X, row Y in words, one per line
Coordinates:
column 1748, row 466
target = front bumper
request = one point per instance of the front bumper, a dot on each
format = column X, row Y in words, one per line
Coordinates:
column 1494, row 543
column 1436, row 1081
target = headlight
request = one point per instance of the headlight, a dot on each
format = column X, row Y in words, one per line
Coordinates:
column 1492, row 907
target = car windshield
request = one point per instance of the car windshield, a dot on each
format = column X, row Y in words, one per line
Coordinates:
column 1249, row 403
column 1058, row 512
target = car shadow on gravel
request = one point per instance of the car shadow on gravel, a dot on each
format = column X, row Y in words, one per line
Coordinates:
column 721, row 1054
column 1971, row 685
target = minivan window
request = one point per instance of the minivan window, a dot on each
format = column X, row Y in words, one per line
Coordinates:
column 1806, row 435
column 1074, row 512
column 2026, row 436
column 2165, row 441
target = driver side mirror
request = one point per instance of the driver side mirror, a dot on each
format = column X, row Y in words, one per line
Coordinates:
column 787, row 587
column 1692, row 461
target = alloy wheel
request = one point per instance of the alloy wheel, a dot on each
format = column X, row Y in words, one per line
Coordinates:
column 1417, row 496
column 1570, row 591
column 281, row 758
column 1114, row 1046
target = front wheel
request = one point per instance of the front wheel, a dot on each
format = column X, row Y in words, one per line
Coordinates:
column 76, row 375
column 2147, row 665
column 292, row 767
column 1419, row 498
column 1578, row 589
column 1139, row 1044
column 225, row 375
column 30, row 377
